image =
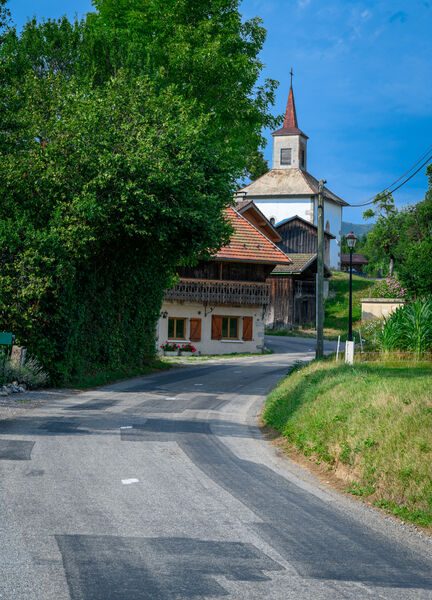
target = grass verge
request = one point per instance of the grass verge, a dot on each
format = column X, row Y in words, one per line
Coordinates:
column 106, row 377
column 371, row 424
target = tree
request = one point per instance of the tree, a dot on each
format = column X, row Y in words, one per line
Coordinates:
column 122, row 138
column 383, row 238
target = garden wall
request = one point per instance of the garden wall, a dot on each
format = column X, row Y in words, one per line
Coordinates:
column 377, row 308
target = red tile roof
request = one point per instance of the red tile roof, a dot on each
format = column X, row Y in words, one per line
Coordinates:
column 248, row 244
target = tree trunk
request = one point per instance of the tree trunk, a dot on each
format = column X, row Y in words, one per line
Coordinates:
column 391, row 266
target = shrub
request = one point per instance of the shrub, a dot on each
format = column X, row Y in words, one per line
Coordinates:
column 388, row 288
column 408, row 328
column 30, row 373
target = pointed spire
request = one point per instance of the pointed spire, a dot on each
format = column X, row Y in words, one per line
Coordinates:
column 290, row 123
column 290, row 119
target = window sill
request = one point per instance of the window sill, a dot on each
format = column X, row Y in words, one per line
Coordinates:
column 231, row 341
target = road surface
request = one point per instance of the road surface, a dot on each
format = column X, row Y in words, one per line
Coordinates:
column 163, row 488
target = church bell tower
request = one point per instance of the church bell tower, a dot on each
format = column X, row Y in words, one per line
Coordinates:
column 289, row 142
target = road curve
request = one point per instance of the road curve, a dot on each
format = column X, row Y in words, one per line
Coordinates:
column 163, row 488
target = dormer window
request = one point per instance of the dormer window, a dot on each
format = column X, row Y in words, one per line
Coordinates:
column 286, row 156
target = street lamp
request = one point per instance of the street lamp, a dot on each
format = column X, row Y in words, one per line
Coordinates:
column 351, row 241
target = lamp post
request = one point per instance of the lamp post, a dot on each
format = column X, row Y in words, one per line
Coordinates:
column 351, row 241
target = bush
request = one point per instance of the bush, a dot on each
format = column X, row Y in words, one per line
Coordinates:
column 30, row 373
column 388, row 288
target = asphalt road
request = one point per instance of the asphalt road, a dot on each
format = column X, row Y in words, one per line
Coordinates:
column 163, row 488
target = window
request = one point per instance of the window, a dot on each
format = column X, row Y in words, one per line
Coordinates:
column 273, row 220
column 176, row 329
column 230, row 328
column 286, row 156
column 302, row 158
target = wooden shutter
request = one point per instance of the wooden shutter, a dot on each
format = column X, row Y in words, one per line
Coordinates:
column 247, row 329
column 195, row 330
column 216, row 327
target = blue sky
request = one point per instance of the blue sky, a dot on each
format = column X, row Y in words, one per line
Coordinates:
column 363, row 74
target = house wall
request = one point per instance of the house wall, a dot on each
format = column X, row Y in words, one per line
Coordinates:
column 207, row 345
column 292, row 302
column 284, row 207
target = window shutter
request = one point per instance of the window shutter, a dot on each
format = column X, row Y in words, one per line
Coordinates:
column 247, row 329
column 195, row 330
column 216, row 327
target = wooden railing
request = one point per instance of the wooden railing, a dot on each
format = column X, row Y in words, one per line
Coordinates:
column 220, row 292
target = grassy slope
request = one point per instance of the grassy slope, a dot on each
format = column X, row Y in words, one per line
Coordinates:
column 336, row 309
column 371, row 424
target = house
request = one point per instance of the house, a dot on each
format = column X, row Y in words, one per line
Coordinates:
column 219, row 305
column 293, row 292
column 288, row 189
column 359, row 261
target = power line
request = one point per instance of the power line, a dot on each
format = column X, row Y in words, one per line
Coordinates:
column 387, row 191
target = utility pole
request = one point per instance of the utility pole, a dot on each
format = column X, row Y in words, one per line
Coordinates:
column 320, row 274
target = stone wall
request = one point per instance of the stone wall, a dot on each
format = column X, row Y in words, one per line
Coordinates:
column 377, row 308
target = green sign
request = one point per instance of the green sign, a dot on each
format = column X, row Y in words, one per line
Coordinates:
column 6, row 338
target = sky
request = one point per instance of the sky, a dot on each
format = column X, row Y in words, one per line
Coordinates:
column 362, row 83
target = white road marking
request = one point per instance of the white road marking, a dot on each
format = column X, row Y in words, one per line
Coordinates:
column 171, row 398
column 129, row 481
column 126, row 427
column 198, row 384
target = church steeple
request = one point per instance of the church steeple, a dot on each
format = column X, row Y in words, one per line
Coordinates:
column 289, row 142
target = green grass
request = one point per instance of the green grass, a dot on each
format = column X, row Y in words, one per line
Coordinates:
column 336, row 307
column 97, row 379
column 205, row 357
column 370, row 423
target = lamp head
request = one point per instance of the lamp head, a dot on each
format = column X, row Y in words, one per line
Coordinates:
column 351, row 240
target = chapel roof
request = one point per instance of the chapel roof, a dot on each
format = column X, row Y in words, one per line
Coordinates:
column 288, row 182
column 248, row 244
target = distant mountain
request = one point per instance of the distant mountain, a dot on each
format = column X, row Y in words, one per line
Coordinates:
column 358, row 228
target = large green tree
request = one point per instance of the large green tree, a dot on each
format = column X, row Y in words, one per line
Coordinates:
column 122, row 138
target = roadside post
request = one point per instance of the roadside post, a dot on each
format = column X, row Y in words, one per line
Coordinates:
column 349, row 346
column 319, row 353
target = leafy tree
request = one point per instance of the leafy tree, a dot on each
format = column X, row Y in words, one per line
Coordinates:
column 384, row 237
column 122, row 138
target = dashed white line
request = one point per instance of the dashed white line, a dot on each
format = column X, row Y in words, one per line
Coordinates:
column 129, row 481
column 126, row 427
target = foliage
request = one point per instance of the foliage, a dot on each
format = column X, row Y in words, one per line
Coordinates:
column 409, row 328
column 122, row 139
column 403, row 240
column 30, row 373
column 390, row 287
column 370, row 423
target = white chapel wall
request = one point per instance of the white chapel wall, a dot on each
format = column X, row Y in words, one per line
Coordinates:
column 283, row 208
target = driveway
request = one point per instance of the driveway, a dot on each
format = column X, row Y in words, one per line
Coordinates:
column 163, row 488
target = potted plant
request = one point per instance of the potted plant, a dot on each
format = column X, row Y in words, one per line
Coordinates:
column 170, row 349
column 187, row 349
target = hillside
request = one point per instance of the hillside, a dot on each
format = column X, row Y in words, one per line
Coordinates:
column 359, row 229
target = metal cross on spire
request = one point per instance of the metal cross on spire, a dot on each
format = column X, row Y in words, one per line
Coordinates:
column 291, row 75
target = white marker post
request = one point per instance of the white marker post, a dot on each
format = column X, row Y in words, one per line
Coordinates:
column 349, row 352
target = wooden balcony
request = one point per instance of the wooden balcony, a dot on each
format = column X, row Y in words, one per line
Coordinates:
column 214, row 292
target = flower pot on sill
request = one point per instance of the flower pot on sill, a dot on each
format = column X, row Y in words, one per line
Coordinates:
column 184, row 353
column 170, row 353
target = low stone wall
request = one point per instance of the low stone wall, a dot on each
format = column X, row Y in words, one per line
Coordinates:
column 377, row 308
